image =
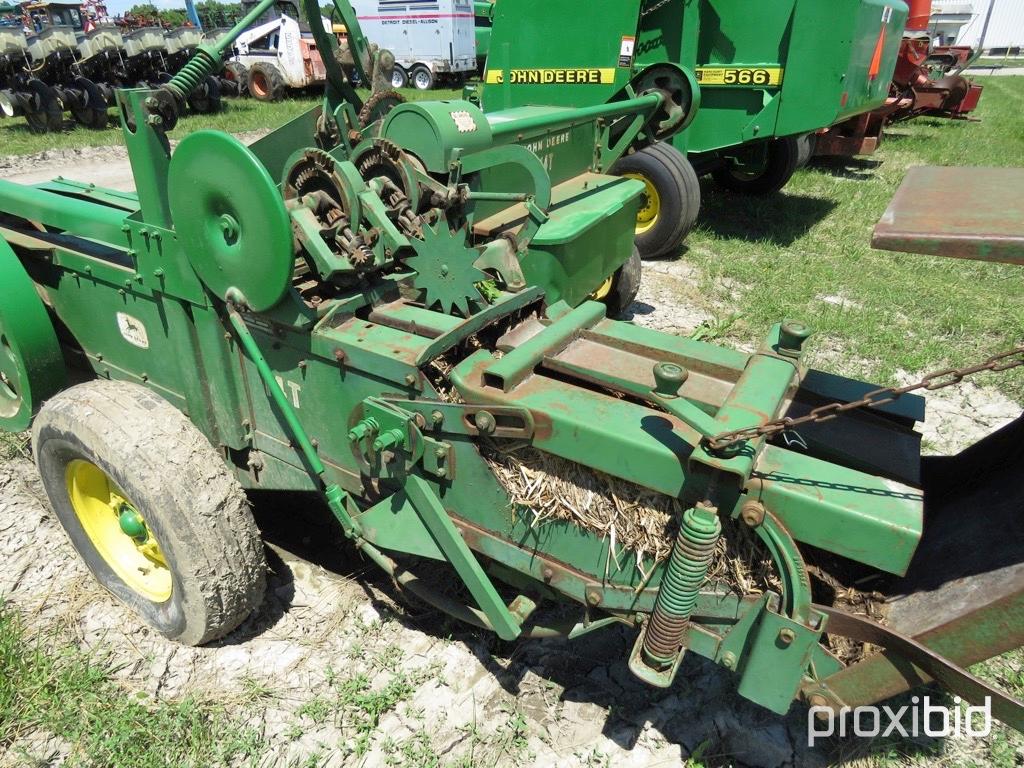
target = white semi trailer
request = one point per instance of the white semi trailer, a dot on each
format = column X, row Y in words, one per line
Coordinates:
column 433, row 40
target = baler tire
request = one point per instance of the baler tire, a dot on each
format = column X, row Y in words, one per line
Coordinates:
column 673, row 184
column 805, row 148
column 779, row 168
column 192, row 510
column 266, row 82
column 399, row 77
column 625, row 286
column 421, row 78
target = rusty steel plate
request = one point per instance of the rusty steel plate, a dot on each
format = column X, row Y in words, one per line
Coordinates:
column 966, row 213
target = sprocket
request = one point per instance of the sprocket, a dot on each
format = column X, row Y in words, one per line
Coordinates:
column 378, row 105
column 444, row 269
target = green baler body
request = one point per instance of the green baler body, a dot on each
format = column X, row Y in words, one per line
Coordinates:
column 287, row 391
column 823, row 62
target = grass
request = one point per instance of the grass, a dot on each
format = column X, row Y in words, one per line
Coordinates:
column 60, row 690
column 239, row 115
column 787, row 253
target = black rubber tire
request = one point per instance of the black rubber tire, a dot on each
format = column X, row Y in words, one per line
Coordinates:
column 779, row 167
column 399, row 77
column 805, row 143
column 678, row 189
column 625, row 286
column 195, row 508
column 205, row 100
column 266, row 82
column 238, row 73
column 421, row 77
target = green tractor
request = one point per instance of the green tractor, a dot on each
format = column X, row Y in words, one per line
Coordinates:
column 758, row 78
column 391, row 306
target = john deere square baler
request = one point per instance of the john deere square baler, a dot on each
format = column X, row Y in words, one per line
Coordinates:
column 389, row 306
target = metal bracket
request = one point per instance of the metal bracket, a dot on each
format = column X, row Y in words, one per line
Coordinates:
column 444, row 532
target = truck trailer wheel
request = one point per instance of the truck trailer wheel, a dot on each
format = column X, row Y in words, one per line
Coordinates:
column 620, row 290
column 422, row 78
column 779, row 165
column 399, row 77
column 265, row 82
column 151, row 508
column 671, row 197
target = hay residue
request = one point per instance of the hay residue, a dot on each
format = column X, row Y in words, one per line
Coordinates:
column 631, row 518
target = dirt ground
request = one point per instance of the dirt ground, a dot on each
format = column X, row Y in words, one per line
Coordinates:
column 463, row 696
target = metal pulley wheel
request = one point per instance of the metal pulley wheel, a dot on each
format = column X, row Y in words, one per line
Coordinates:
column 31, row 364
column 231, row 220
column 681, row 93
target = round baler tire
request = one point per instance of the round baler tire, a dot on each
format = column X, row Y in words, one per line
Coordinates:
column 625, row 285
column 676, row 191
column 193, row 508
column 266, row 82
column 779, row 167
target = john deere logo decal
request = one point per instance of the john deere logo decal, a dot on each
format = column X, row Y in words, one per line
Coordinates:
column 573, row 76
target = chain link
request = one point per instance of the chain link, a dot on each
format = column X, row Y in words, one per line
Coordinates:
column 653, row 8
column 947, row 377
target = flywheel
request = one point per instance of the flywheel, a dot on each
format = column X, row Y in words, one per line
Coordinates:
column 230, row 219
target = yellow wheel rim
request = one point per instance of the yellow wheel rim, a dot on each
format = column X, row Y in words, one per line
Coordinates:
column 603, row 289
column 647, row 216
column 118, row 531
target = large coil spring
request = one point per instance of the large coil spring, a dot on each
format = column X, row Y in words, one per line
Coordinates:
column 684, row 576
column 196, row 70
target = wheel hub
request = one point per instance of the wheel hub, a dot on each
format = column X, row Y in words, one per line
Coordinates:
column 118, row 531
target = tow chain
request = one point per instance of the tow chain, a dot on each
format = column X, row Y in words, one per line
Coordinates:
column 947, row 377
column 653, row 8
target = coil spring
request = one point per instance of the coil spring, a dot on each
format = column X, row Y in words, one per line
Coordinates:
column 196, row 70
column 684, row 575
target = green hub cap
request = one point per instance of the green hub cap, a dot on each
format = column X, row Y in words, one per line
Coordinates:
column 132, row 524
column 231, row 219
column 31, row 364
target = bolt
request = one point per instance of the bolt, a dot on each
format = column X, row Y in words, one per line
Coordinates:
column 547, row 573
column 593, row 597
column 158, row 273
column 151, row 102
column 154, row 120
column 410, row 379
column 145, row 377
column 88, row 269
column 753, row 513
column 302, row 365
column 437, row 418
column 792, row 336
column 442, row 472
column 786, row 636
column 125, row 228
column 729, row 660
column 484, row 422
column 440, row 453
column 339, row 355
column 315, row 443
column 444, row 270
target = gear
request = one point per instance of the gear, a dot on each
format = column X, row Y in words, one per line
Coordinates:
column 378, row 105
column 313, row 172
column 444, row 269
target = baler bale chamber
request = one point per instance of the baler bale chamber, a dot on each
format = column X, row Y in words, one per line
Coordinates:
column 361, row 305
